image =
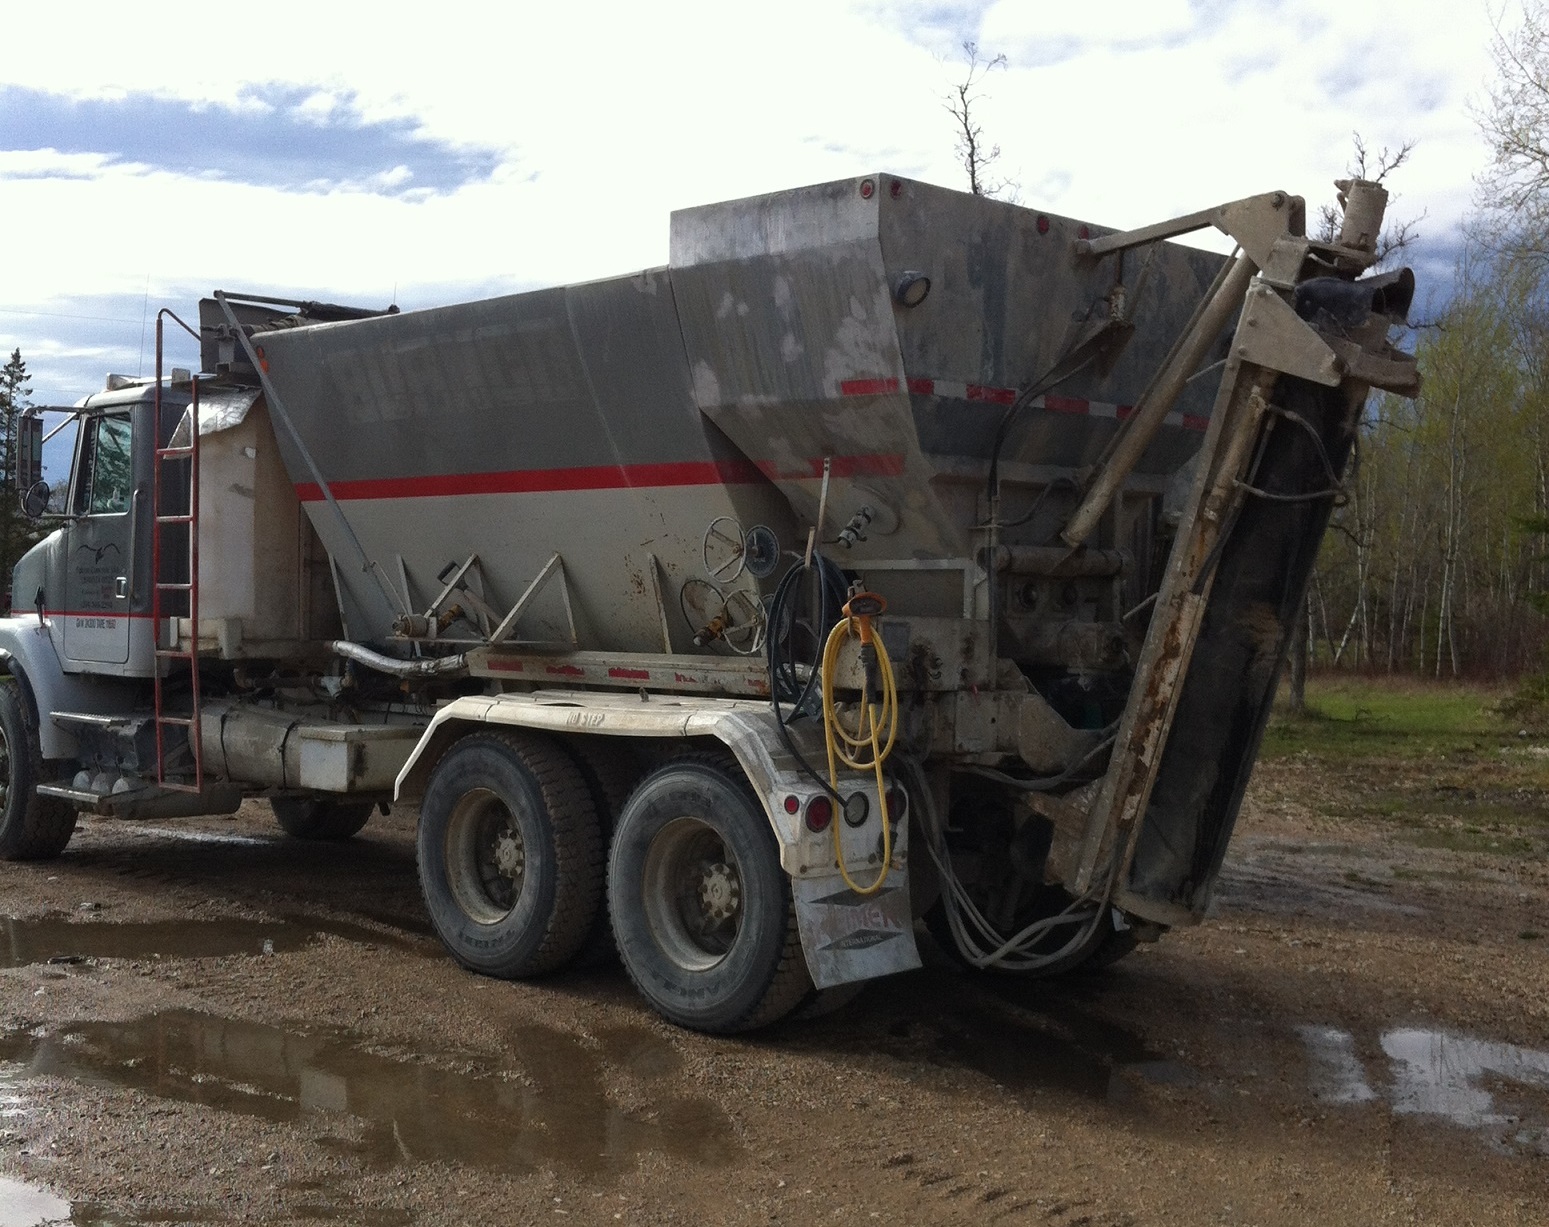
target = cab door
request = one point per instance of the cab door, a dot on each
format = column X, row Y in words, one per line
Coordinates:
column 99, row 563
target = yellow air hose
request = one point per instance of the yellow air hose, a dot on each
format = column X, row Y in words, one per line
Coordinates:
column 864, row 748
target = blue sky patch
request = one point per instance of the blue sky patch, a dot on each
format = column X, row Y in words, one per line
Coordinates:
column 299, row 139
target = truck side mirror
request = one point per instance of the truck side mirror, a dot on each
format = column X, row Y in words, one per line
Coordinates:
column 35, row 500
column 29, row 450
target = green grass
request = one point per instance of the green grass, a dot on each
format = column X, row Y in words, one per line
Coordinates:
column 1360, row 717
column 1441, row 765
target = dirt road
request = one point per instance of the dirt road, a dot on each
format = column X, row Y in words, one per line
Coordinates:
column 209, row 1023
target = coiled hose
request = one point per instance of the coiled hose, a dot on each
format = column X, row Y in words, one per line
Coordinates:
column 866, row 747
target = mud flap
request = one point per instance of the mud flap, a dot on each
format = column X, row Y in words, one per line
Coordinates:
column 846, row 936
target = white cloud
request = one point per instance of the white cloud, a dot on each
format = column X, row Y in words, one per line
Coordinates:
column 51, row 164
column 606, row 116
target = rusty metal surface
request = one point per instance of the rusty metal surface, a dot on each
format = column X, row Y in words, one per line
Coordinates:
column 1266, row 482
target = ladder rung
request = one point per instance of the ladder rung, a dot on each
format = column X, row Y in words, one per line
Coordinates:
column 173, row 453
column 185, row 721
column 171, row 787
column 174, row 519
column 173, row 654
column 169, row 587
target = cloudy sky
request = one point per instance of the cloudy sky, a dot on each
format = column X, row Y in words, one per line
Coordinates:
column 372, row 152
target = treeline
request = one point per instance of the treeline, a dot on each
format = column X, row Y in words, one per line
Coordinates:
column 1437, row 563
column 1432, row 563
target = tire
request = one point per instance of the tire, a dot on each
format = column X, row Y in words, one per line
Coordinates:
column 611, row 771
column 32, row 828
column 510, row 854
column 320, row 817
column 702, row 911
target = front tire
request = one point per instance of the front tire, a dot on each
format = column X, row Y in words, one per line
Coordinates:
column 320, row 817
column 32, row 828
column 510, row 854
column 702, row 911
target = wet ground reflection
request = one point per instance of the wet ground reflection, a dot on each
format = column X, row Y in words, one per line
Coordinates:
column 548, row 1109
column 1477, row 1084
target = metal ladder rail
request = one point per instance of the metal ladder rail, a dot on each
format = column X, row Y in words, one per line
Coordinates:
column 159, row 588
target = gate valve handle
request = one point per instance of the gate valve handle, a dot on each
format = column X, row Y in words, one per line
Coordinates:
column 712, row 631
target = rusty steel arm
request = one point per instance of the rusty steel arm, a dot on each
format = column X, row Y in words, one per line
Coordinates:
column 1256, row 223
column 1272, row 339
column 1138, row 433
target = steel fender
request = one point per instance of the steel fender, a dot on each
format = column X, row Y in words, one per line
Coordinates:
column 28, row 653
column 846, row 936
column 745, row 727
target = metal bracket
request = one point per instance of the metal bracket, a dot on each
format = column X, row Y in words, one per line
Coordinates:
column 657, row 581
column 1273, row 336
column 508, row 623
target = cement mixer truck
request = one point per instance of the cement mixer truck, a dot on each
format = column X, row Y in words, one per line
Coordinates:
column 891, row 554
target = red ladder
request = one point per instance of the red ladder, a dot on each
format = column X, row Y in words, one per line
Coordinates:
column 160, row 588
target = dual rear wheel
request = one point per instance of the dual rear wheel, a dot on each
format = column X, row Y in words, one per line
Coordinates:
column 513, row 863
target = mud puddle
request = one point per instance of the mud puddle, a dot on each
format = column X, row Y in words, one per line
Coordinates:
column 546, row 1108
column 55, row 939
column 1020, row 1037
column 1481, row 1085
column 27, row 1205
column 30, row 1205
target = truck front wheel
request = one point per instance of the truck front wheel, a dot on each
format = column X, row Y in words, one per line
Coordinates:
column 702, row 911
column 320, row 817
column 32, row 828
column 510, row 854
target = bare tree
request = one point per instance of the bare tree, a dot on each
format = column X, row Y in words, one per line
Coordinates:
column 1515, row 122
column 976, row 153
column 1374, row 167
column 1395, row 237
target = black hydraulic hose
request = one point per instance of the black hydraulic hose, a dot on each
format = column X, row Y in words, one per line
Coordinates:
column 827, row 605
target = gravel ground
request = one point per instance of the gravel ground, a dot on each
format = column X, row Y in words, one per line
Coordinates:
column 241, row 1028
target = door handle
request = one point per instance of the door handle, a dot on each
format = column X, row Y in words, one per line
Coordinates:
column 121, row 587
column 134, row 540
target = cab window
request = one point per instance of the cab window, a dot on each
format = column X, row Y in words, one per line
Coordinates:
column 105, row 476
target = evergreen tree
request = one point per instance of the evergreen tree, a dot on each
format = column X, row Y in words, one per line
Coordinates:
column 16, row 534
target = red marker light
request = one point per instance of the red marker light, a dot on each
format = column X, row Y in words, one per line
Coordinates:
column 895, row 189
column 868, row 188
column 792, row 803
column 1043, row 224
column 820, row 812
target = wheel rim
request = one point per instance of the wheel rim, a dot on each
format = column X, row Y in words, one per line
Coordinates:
column 485, row 856
column 693, row 894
